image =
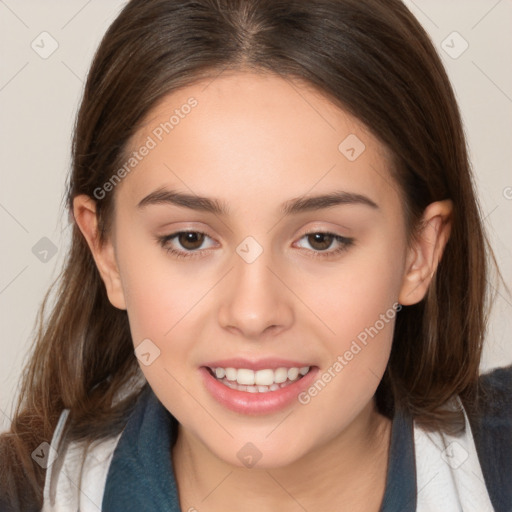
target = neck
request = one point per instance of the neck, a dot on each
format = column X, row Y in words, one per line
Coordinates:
column 346, row 473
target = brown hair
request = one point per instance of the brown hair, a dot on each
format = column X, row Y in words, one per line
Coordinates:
column 371, row 58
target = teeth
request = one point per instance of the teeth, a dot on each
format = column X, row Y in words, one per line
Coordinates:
column 260, row 381
column 264, row 377
column 245, row 377
column 230, row 373
column 293, row 373
column 280, row 375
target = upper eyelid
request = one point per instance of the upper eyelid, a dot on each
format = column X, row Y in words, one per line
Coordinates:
column 313, row 229
column 175, row 234
column 338, row 238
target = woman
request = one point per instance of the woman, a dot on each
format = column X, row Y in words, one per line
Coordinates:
column 277, row 264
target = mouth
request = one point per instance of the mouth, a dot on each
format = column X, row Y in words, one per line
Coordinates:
column 258, row 381
column 268, row 387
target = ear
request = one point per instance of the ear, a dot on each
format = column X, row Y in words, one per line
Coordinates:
column 426, row 251
column 84, row 211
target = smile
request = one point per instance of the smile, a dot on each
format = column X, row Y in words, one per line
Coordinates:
column 270, row 386
column 259, row 381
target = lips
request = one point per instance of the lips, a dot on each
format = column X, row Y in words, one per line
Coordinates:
column 254, row 397
column 260, row 364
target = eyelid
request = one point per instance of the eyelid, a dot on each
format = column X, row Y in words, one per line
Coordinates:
column 344, row 241
column 175, row 234
column 323, row 227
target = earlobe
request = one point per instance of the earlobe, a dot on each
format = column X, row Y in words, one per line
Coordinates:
column 84, row 211
column 425, row 254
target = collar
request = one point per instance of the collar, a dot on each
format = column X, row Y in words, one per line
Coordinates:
column 141, row 475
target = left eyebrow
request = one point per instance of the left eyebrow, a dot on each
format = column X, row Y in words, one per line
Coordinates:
column 303, row 204
column 217, row 207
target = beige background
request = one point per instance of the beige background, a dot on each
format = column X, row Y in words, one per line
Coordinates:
column 39, row 98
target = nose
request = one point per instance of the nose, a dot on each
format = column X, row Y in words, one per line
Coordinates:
column 254, row 300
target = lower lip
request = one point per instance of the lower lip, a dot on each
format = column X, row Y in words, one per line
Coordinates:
column 256, row 403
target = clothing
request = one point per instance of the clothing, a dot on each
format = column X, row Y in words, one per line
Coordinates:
column 427, row 472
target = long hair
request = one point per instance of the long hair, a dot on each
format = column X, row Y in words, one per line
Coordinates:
column 369, row 57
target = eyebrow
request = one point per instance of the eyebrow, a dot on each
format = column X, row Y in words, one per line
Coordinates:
column 217, row 207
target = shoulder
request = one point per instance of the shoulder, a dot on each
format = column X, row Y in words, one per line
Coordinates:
column 491, row 419
column 491, row 425
column 77, row 470
column 77, row 473
column 477, row 460
column 496, row 387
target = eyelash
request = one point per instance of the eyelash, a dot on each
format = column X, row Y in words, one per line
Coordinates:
column 344, row 241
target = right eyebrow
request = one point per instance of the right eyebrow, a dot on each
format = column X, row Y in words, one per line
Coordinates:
column 165, row 196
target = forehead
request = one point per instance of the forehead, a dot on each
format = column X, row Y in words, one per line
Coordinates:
column 247, row 134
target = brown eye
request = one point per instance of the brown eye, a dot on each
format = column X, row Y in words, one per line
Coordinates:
column 185, row 244
column 320, row 241
column 325, row 245
column 190, row 239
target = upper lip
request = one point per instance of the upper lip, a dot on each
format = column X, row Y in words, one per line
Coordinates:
column 261, row 364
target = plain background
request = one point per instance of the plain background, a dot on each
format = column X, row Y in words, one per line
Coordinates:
column 39, row 98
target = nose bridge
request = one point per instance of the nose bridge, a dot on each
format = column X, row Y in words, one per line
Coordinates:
column 253, row 299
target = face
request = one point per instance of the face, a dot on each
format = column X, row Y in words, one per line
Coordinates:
column 259, row 282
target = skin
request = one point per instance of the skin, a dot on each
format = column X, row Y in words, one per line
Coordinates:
column 254, row 142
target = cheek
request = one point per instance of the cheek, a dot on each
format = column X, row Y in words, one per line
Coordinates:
column 160, row 298
column 352, row 296
column 158, row 292
column 362, row 316
column 358, row 302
